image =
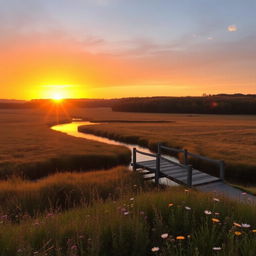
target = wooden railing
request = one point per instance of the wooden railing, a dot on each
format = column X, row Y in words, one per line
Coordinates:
column 186, row 154
column 219, row 163
column 186, row 165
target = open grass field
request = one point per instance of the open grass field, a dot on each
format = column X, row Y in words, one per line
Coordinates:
column 30, row 148
column 225, row 137
column 168, row 222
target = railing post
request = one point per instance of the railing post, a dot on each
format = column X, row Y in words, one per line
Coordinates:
column 189, row 177
column 185, row 156
column 159, row 148
column 222, row 170
column 157, row 174
column 134, row 159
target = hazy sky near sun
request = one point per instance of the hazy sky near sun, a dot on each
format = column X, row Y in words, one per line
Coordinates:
column 117, row 48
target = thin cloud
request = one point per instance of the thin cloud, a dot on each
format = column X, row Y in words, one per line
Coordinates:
column 232, row 28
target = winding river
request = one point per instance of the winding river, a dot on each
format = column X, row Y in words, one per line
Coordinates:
column 72, row 130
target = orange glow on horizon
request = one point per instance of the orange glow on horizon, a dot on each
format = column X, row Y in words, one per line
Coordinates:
column 57, row 92
column 30, row 71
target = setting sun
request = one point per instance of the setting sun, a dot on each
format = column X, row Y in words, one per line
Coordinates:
column 57, row 98
column 57, row 92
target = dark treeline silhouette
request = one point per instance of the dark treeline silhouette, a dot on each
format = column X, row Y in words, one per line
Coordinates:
column 44, row 103
column 23, row 105
column 215, row 104
column 207, row 104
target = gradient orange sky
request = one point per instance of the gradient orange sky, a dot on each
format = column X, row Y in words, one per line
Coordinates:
column 118, row 48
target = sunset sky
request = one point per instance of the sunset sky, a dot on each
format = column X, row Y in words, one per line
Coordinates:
column 122, row 48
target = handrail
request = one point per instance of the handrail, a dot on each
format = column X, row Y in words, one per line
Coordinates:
column 146, row 154
column 172, row 149
column 204, row 158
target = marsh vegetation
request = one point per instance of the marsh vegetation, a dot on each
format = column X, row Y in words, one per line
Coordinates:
column 115, row 212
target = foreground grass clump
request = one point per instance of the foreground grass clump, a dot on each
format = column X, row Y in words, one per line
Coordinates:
column 171, row 222
column 64, row 190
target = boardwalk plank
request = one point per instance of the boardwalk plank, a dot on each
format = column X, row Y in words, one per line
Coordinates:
column 171, row 169
column 182, row 175
column 174, row 172
column 205, row 180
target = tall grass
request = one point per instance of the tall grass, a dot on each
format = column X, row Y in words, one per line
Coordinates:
column 173, row 222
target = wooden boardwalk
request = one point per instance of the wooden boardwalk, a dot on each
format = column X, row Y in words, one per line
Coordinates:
column 183, row 174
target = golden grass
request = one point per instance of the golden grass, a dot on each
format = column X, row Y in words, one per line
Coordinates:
column 225, row 137
column 29, row 147
column 64, row 190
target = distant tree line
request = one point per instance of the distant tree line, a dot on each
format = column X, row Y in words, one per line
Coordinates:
column 207, row 104
column 216, row 104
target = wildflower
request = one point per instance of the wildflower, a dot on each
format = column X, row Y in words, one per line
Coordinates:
column 187, row 208
column 180, row 237
column 188, row 236
column 126, row 213
column 170, row 205
column 19, row 250
column 165, row 235
column 216, row 199
column 155, row 249
column 238, row 233
column 237, row 224
column 73, row 247
column 216, row 248
column 215, row 220
column 244, row 193
column 254, row 230
column 207, row 212
column 123, row 209
column 186, row 190
column 132, row 198
column 245, row 225
column 217, row 213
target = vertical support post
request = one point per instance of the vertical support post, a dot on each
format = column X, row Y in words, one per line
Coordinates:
column 222, row 170
column 159, row 148
column 189, row 176
column 157, row 174
column 185, row 156
column 134, row 159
